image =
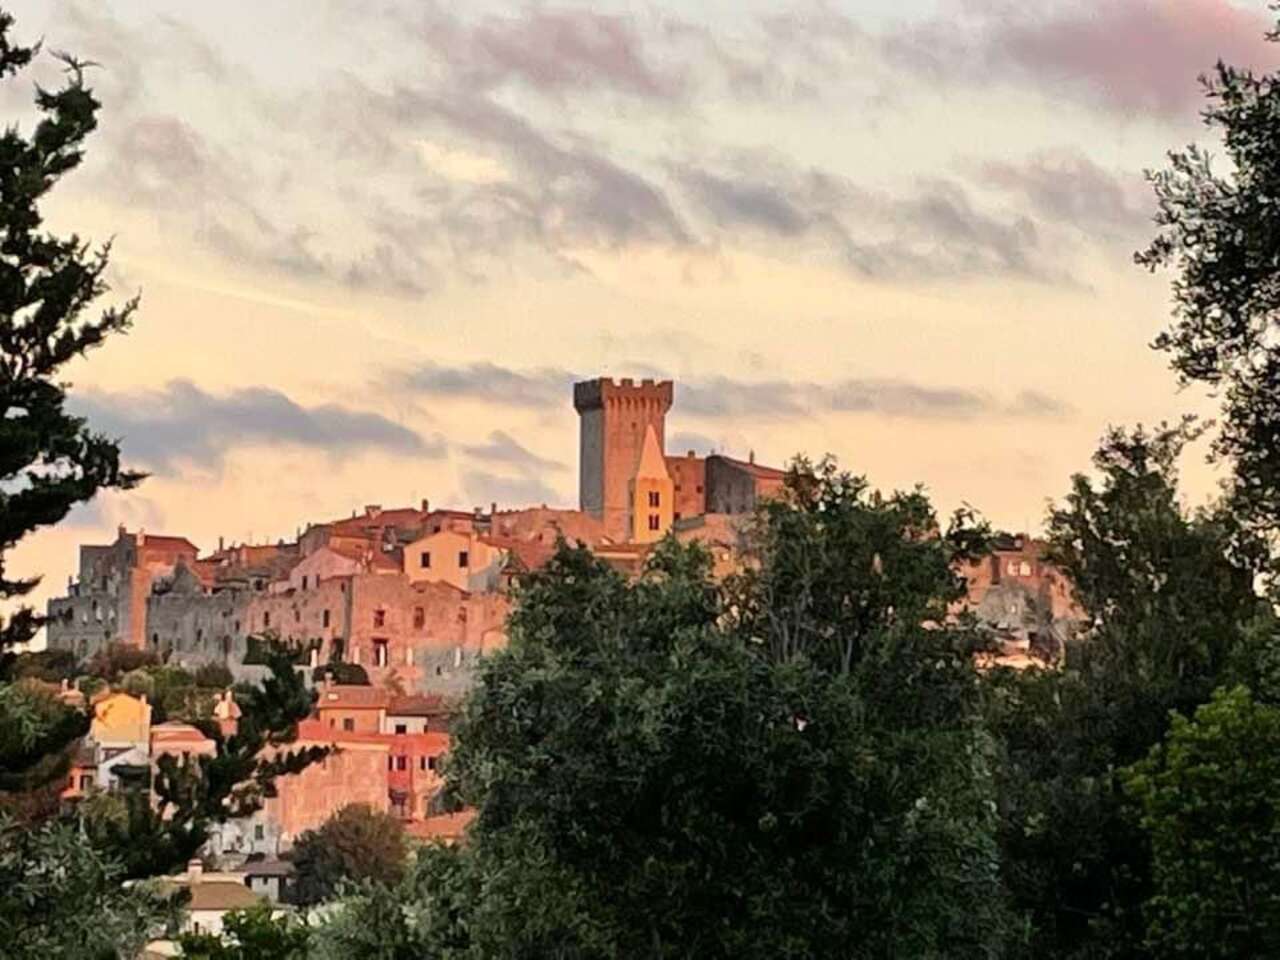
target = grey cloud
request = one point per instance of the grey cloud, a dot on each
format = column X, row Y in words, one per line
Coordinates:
column 936, row 231
column 182, row 422
column 684, row 441
column 543, row 387
column 482, row 487
column 501, row 447
column 1068, row 187
column 722, row 398
column 553, row 51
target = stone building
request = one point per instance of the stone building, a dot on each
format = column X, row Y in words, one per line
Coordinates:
column 736, row 486
column 614, row 419
column 106, row 602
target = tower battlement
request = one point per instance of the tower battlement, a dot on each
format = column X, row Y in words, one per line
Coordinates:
column 602, row 391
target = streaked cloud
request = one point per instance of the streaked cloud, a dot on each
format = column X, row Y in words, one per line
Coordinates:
column 183, row 423
column 727, row 398
column 503, row 448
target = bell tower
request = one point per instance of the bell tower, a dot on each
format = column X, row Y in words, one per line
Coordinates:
column 613, row 419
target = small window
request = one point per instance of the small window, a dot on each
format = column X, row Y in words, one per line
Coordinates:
column 655, row 498
column 349, row 724
column 402, row 728
column 391, row 763
column 402, row 763
column 379, row 653
column 419, row 618
column 699, row 488
column 655, row 522
column 464, row 559
column 155, row 639
column 304, row 581
column 86, row 781
column 424, row 561
column 258, row 832
column 431, row 763
column 324, row 617
column 422, row 763
column 379, row 618
column 266, row 619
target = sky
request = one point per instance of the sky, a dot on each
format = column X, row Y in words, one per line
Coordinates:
column 377, row 240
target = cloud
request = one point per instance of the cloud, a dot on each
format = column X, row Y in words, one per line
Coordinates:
column 501, row 447
column 1068, row 187
column 181, row 422
column 552, row 51
column 934, row 230
column 1130, row 56
column 481, row 487
column 539, row 388
column 714, row 398
column 683, row 441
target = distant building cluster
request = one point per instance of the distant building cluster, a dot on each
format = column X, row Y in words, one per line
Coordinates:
column 415, row 596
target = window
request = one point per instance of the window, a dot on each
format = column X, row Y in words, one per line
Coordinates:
column 464, row 560
column 401, row 728
column 304, row 581
column 676, row 515
column 391, row 763
column 655, row 522
column 431, row 763
column 379, row 653
column 86, row 781
column 155, row 639
column 419, row 618
column 258, row 832
column 422, row 763
column 379, row 618
column 699, row 488
column 655, row 498
column 237, row 626
column 266, row 618
column 402, row 763
column 424, row 561
column 324, row 617
column 349, row 724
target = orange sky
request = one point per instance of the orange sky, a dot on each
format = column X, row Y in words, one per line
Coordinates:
column 375, row 242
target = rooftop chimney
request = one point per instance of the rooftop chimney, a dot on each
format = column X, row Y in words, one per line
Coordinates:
column 221, row 547
column 751, row 456
column 493, row 509
column 426, row 505
column 372, row 510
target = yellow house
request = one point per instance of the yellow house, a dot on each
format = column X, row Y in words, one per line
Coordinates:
column 652, row 493
column 121, row 720
column 458, row 558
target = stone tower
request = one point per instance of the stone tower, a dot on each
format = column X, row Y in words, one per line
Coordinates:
column 652, row 493
column 614, row 418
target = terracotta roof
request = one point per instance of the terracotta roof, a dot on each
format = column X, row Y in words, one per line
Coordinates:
column 532, row 554
column 221, row 895
column 755, row 469
column 418, row 705
column 350, row 696
column 268, row 868
column 172, row 732
column 167, row 543
column 446, row 826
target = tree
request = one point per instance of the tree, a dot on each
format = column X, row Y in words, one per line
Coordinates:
column 1209, row 800
column 356, row 845
column 63, row 898
column 49, row 459
column 792, row 767
column 253, row 934
column 1220, row 233
column 192, row 797
column 1171, row 613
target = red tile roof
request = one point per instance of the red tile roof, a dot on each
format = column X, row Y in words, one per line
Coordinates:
column 350, row 696
column 446, row 826
column 418, row 705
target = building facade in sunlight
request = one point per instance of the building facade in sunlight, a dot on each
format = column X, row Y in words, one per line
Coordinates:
column 415, row 596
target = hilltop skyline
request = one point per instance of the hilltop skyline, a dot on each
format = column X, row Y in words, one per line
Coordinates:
column 374, row 255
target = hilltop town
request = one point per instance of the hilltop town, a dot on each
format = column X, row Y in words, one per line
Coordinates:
column 410, row 598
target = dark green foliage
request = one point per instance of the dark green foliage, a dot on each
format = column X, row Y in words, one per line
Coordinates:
column 59, row 897
column 213, row 676
column 342, row 672
column 115, row 660
column 664, row 770
column 1208, row 801
column 37, row 737
column 51, row 666
column 253, row 934
column 1173, row 613
column 210, row 790
column 49, row 460
column 357, row 845
column 1220, row 233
